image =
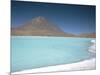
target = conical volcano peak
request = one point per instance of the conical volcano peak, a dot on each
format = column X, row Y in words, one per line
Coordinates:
column 39, row 20
column 39, row 26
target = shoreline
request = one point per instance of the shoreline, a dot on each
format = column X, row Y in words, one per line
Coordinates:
column 89, row 64
column 53, row 37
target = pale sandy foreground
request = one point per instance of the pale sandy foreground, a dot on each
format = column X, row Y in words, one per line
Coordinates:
column 88, row 64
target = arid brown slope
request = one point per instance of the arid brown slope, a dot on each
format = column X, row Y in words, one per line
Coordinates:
column 39, row 27
column 88, row 35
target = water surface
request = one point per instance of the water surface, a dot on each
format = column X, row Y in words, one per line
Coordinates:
column 33, row 52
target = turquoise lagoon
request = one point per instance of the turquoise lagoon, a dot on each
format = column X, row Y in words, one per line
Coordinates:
column 29, row 52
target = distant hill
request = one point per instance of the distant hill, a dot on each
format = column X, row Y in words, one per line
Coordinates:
column 39, row 26
column 88, row 35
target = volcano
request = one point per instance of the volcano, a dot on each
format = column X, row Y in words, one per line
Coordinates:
column 39, row 26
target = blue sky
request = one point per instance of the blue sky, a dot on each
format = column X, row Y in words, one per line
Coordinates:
column 74, row 19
